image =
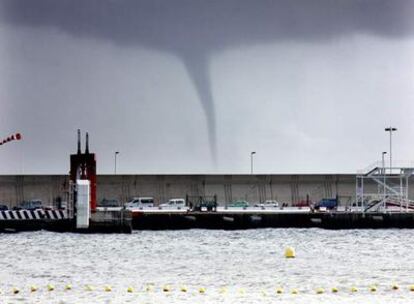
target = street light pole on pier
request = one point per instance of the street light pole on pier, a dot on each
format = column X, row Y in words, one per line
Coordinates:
column 390, row 129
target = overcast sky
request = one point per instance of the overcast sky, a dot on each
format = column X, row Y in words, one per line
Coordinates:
column 191, row 86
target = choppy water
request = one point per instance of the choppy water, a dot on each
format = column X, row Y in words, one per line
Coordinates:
column 233, row 266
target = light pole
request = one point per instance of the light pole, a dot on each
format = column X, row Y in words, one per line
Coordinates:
column 383, row 162
column 251, row 162
column 383, row 172
column 116, row 154
column 390, row 129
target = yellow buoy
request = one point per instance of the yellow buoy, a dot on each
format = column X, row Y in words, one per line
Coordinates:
column 395, row 287
column 290, row 252
column 15, row 290
column 130, row 289
column 294, row 291
column 149, row 288
column 33, row 288
column 354, row 289
column 412, row 288
column 279, row 290
column 223, row 290
column 50, row 287
column 183, row 288
column 373, row 288
column 334, row 289
column 108, row 288
column 88, row 288
column 68, row 287
column 202, row 290
column 320, row 290
column 166, row 288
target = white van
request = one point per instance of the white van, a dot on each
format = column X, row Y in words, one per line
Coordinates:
column 175, row 203
column 140, row 202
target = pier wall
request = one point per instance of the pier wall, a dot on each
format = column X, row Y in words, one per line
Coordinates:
column 290, row 189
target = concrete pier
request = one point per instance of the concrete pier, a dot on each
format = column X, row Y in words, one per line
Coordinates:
column 286, row 188
column 249, row 220
column 103, row 221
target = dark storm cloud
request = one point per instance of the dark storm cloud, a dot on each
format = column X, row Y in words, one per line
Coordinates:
column 193, row 29
column 178, row 24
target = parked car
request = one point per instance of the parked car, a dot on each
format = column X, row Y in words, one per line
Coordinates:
column 328, row 203
column 140, row 202
column 31, row 205
column 302, row 203
column 109, row 203
column 238, row 204
column 175, row 203
column 268, row 204
column 3, row 207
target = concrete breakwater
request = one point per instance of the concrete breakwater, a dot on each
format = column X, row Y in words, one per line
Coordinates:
column 285, row 188
column 33, row 220
column 249, row 220
column 124, row 221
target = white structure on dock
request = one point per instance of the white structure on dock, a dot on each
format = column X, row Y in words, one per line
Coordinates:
column 83, row 210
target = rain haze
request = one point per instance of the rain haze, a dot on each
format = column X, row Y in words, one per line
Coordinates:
column 190, row 86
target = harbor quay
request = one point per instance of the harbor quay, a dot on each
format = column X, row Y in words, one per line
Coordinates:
column 288, row 189
column 294, row 196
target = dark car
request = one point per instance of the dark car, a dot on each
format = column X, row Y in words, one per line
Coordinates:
column 3, row 207
column 109, row 203
column 328, row 203
column 32, row 205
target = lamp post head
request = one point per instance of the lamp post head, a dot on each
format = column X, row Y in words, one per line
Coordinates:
column 383, row 153
column 117, row 152
column 390, row 129
column 252, row 153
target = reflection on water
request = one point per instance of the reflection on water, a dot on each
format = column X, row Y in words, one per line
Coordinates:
column 249, row 264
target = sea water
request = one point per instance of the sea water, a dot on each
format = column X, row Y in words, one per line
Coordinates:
column 212, row 266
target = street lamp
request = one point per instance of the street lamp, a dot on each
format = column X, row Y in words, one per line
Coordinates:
column 383, row 162
column 251, row 162
column 383, row 172
column 116, row 154
column 390, row 129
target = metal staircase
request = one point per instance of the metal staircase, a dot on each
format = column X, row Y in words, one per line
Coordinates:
column 383, row 189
